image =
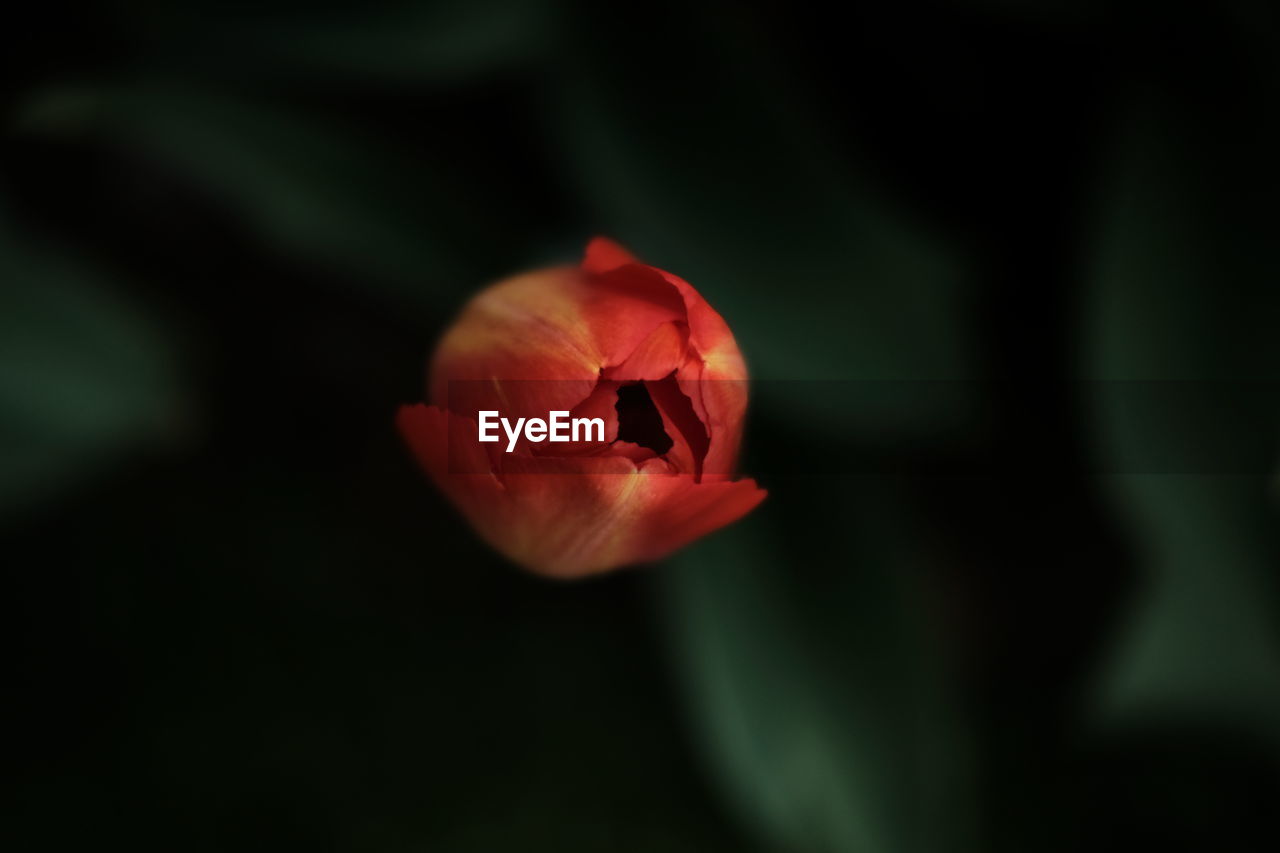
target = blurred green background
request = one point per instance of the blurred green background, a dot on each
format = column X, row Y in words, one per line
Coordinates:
column 1014, row 608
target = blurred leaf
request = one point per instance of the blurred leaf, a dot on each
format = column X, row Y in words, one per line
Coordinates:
column 718, row 173
column 398, row 41
column 804, row 654
column 82, row 373
column 319, row 192
column 1185, row 289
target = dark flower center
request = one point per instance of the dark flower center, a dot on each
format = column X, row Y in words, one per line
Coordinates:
column 639, row 420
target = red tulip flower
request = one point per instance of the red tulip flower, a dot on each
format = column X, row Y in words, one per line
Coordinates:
column 628, row 348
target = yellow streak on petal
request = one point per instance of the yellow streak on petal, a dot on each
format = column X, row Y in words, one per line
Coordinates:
column 538, row 311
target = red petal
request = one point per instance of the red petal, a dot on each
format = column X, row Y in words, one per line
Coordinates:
column 682, row 425
column 520, row 347
column 657, row 356
column 538, row 343
column 709, row 333
column 604, row 254
column 571, row 525
column 713, row 375
column 689, row 513
column 625, row 307
column 721, row 404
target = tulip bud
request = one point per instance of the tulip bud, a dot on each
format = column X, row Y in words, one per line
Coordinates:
column 612, row 341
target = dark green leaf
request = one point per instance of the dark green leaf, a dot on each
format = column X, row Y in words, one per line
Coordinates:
column 1185, row 289
column 812, row 685
column 82, row 372
column 320, row 192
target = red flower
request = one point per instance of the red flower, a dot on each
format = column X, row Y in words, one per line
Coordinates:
column 614, row 339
